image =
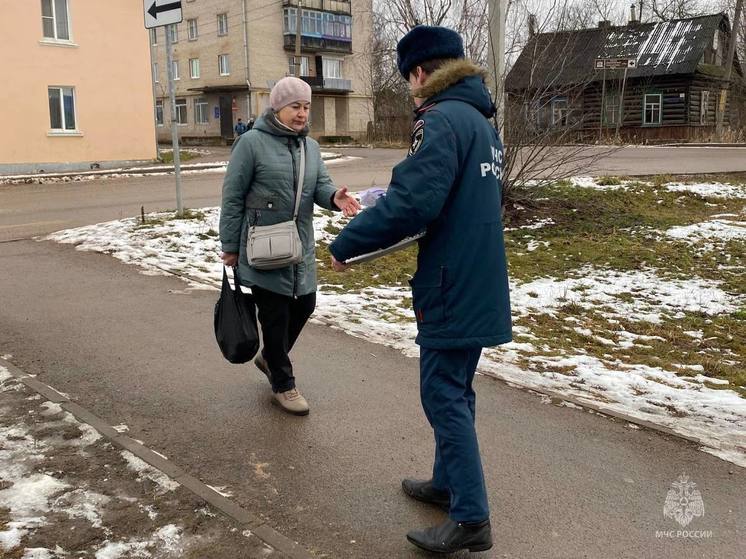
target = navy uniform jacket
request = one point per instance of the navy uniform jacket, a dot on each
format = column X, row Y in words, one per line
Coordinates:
column 450, row 184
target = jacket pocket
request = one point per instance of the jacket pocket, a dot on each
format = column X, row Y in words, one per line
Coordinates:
column 428, row 295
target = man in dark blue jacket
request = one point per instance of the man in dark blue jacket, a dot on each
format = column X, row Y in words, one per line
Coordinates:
column 450, row 185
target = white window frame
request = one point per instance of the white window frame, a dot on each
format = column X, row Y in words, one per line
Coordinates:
column 173, row 29
column 339, row 65
column 159, row 111
column 304, row 66
column 645, row 105
column 55, row 38
column 179, row 104
column 175, row 69
column 704, row 105
column 155, row 72
column 201, row 111
column 154, row 36
column 224, row 65
column 192, row 29
column 222, row 24
column 194, row 65
column 560, row 114
column 64, row 131
column 611, row 108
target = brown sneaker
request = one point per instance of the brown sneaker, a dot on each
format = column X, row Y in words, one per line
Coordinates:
column 291, row 401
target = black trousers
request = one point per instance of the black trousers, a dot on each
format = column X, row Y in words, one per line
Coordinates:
column 282, row 318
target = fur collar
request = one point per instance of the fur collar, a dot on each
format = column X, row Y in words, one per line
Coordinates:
column 447, row 75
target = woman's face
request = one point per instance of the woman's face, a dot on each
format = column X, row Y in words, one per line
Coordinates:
column 295, row 115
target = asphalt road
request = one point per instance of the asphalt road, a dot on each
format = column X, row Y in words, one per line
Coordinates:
column 27, row 210
column 139, row 350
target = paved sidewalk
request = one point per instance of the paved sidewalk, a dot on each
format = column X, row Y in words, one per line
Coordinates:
column 139, row 350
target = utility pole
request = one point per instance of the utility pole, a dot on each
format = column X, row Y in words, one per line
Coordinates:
column 497, row 56
column 722, row 101
column 174, row 131
column 298, row 23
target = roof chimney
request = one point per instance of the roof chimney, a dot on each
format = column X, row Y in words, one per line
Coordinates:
column 632, row 15
column 604, row 24
column 531, row 25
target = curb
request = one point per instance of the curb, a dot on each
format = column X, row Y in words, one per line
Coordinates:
column 231, row 509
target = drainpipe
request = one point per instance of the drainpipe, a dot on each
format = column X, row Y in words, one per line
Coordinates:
column 246, row 60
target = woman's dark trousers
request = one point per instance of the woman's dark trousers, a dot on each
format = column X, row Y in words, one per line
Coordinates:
column 282, row 318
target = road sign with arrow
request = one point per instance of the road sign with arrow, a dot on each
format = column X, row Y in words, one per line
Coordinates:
column 162, row 12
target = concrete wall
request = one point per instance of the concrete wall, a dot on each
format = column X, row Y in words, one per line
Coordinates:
column 106, row 61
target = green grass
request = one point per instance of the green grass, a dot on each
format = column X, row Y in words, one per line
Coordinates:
column 614, row 229
column 168, row 156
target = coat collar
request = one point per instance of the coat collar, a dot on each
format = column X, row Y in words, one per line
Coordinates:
column 446, row 76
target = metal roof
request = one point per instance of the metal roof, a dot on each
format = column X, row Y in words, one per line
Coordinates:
column 567, row 57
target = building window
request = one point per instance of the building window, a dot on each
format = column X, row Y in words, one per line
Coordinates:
column 560, row 111
column 55, row 19
column 201, row 111
column 611, row 109
column 332, row 67
column 192, row 30
column 704, row 106
column 62, row 108
column 653, row 109
column 155, row 72
column 222, row 24
column 175, row 69
column 224, row 65
column 154, row 36
column 181, row 111
column 159, row 112
column 173, row 30
column 318, row 24
column 194, row 68
column 303, row 66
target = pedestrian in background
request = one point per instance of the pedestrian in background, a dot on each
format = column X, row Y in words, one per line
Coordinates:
column 240, row 128
column 260, row 189
column 449, row 184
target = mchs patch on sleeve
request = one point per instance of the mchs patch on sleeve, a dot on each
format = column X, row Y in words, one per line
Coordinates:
column 418, row 136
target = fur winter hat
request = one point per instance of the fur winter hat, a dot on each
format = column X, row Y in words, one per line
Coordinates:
column 287, row 91
column 425, row 43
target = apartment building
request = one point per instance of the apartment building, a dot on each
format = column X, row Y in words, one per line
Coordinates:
column 76, row 92
column 229, row 53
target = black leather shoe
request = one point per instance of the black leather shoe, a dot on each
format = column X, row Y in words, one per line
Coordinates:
column 423, row 491
column 261, row 364
column 452, row 536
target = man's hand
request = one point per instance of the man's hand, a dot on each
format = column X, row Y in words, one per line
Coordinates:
column 337, row 266
column 230, row 259
column 349, row 205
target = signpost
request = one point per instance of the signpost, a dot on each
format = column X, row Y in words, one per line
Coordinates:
column 613, row 64
column 159, row 13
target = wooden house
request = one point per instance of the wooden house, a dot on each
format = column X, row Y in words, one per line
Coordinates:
column 646, row 83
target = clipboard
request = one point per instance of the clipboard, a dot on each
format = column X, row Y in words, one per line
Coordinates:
column 404, row 243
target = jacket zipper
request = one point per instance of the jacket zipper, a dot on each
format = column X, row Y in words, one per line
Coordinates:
column 295, row 193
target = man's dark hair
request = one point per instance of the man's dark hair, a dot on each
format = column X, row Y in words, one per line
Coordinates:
column 429, row 66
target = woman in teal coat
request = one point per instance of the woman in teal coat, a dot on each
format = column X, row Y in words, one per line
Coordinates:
column 260, row 189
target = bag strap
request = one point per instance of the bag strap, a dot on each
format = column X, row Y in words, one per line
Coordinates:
column 301, row 176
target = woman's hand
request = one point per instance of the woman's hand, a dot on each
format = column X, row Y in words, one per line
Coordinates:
column 349, row 205
column 230, row 259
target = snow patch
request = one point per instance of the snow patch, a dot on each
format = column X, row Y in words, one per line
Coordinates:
column 146, row 471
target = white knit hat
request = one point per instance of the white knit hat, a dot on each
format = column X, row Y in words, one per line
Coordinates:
column 289, row 90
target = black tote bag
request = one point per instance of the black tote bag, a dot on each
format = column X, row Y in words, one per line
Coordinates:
column 235, row 322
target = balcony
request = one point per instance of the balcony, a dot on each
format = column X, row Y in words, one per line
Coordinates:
column 319, row 44
column 334, row 6
column 328, row 85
